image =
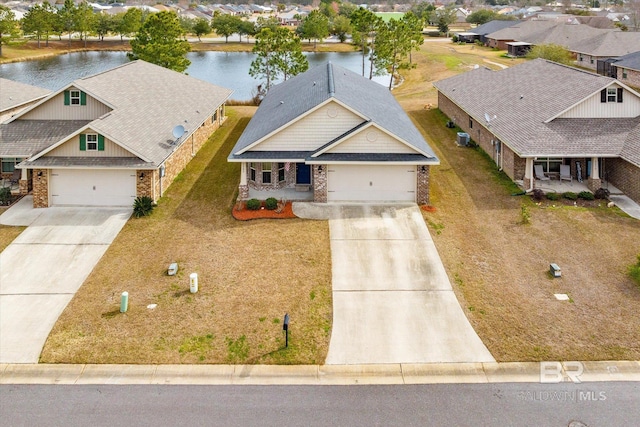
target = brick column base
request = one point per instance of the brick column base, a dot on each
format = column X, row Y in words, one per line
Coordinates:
column 243, row 192
column 526, row 183
column 320, row 184
column 423, row 185
column 23, row 186
column 594, row 184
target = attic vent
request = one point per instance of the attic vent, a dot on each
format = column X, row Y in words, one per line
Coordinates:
column 332, row 89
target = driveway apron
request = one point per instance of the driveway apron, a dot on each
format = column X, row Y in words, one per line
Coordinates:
column 392, row 299
column 43, row 267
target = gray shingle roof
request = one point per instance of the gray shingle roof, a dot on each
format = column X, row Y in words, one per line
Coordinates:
column 631, row 61
column 523, row 97
column 610, row 43
column 14, row 94
column 83, row 162
column 492, row 27
column 288, row 100
column 23, row 138
column 149, row 101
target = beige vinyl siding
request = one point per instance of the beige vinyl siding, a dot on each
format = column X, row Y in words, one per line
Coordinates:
column 592, row 107
column 54, row 109
column 313, row 131
column 372, row 140
column 71, row 148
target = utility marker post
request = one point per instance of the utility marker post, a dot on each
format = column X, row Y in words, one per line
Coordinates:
column 285, row 328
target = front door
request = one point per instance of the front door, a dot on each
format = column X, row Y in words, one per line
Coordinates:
column 303, row 173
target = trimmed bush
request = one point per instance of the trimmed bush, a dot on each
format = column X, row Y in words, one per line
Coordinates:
column 537, row 194
column 5, row 195
column 586, row 195
column 142, row 206
column 253, row 204
column 553, row 196
column 570, row 195
column 602, row 193
column 271, row 203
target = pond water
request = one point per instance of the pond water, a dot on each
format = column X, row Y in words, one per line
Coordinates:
column 227, row 69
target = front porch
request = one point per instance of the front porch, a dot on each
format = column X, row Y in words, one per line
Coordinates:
column 287, row 194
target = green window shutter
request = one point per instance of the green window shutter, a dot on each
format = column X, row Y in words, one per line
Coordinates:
column 83, row 98
column 83, row 142
column 619, row 94
column 67, row 97
column 603, row 95
column 100, row 142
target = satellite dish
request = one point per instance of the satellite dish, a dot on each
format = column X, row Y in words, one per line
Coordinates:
column 178, row 131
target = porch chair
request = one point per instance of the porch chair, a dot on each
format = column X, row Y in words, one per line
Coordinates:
column 540, row 173
column 15, row 177
column 565, row 173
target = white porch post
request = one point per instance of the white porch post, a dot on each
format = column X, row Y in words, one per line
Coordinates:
column 595, row 171
column 23, row 174
column 528, row 174
column 243, row 173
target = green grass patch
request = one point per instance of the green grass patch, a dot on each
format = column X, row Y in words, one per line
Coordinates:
column 634, row 271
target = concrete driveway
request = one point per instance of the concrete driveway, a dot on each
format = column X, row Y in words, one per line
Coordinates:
column 43, row 267
column 392, row 300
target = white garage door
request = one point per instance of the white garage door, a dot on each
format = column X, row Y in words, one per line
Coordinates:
column 371, row 183
column 71, row 187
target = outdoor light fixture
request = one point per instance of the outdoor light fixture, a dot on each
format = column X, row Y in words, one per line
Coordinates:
column 423, row 169
column 141, row 176
column 39, row 173
column 320, row 168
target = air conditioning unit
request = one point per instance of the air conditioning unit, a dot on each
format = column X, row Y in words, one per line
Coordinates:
column 463, row 139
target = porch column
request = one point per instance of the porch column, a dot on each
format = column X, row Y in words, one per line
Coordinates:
column 23, row 183
column 594, row 182
column 243, row 188
column 528, row 174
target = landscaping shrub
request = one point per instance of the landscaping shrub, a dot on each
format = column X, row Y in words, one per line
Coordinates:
column 570, row 195
column 271, row 203
column 5, row 195
column 602, row 193
column 634, row 271
column 537, row 194
column 586, row 195
column 253, row 204
column 525, row 215
column 142, row 206
column 454, row 39
column 553, row 196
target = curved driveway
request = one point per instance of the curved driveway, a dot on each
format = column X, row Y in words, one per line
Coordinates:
column 392, row 299
column 43, row 267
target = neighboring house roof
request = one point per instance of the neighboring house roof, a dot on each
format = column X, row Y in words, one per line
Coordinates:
column 609, row 43
column 521, row 30
column 631, row 61
column 147, row 102
column 14, row 94
column 291, row 99
column 492, row 27
column 527, row 98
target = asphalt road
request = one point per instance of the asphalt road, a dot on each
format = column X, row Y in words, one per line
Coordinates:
column 512, row 404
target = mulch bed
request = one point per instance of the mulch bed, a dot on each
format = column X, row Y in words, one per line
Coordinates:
column 240, row 212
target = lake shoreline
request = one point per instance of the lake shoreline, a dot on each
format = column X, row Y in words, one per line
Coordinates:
column 30, row 51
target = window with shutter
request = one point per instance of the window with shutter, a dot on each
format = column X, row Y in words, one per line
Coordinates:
column 83, row 142
column 619, row 94
column 67, row 97
column 100, row 142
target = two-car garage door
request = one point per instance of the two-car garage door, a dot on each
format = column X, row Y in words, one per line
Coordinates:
column 73, row 187
column 371, row 183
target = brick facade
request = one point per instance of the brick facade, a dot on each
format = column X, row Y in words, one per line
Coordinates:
column 144, row 184
column 40, row 188
column 632, row 77
column 275, row 183
column 320, row 183
column 624, row 176
column 422, row 190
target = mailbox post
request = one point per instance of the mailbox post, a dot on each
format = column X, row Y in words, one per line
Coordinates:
column 285, row 328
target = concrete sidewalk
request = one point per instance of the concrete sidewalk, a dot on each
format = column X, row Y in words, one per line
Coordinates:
column 392, row 299
column 444, row 373
column 41, row 270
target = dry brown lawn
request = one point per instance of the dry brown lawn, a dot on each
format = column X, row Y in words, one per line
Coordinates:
column 499, row 266
column 250, row 274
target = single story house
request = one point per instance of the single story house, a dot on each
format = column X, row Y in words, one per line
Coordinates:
column 106, row 139
column 625, row 68
column 481, row 31
column 544, row 113
column 334, row 136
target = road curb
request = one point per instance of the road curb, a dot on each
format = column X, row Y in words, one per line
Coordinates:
column 432, row 373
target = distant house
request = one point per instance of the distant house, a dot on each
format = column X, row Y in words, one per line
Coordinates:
column 332, row 135
column 627, row 69
column 106, row 139
column 481, row 31
column 547, row 114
